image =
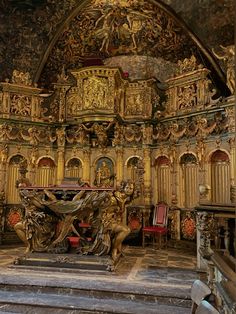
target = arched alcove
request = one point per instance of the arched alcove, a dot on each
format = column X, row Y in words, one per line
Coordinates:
column 74, row 168
column 163, row 175
column 190, row 178
column 46, row 172
column 220, row 177
column 12, row 196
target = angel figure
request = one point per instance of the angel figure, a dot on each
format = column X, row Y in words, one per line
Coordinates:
column 228, row 56
column 101, row 132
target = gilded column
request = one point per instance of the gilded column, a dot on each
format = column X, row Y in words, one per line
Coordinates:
column 86, row 166
column 33, row 156
column 3, row 166
column 60, row 134
column 119, row 165
column 233, row 165
column 147, row 175
column 60, row 98
column 6, row 101
column 2, row 202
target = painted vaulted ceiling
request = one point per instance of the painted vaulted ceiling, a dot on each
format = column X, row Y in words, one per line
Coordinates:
column 145, row 38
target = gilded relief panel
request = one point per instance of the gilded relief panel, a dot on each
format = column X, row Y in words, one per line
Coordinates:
column 137, row 103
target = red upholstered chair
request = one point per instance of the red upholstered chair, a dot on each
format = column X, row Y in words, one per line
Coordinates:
column 158, row 231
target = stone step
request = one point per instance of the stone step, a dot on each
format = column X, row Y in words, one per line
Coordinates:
column 31, row 302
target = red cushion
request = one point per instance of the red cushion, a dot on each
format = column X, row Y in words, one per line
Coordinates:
column 84, row 225
column 155, row 229
column 74, row 241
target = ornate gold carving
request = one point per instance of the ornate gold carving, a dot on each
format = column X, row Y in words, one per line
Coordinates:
column 78, row 135
column 33, row 135
column 138, row 100
column 4, row 154
column 132, row 133
column 230, row 115
column 20, row 105
column 7, row 132
column 188, row 65
column 21, row 78
column 100, row 130
column 95, row 90
column 228, row 56
column 33, row 156
column 147, row 132
column 187, row 97
column 118, row 135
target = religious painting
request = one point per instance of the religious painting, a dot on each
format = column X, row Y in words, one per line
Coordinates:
column 104, row 173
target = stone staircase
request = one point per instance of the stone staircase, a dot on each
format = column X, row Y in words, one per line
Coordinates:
column 27, row 291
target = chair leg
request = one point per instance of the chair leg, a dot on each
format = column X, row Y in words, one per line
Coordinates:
column 143, row 240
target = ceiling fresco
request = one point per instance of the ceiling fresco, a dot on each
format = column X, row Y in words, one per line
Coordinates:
column 109, row 29
column 106, row 29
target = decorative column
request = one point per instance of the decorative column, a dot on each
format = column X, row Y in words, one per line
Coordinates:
column 2, row 202
column 60, row 98
column 60, row 134
column 33, row 156
column 232, row 169
column 86, row 166
column 174, row 179
column 147, row 175
column 5, row 100
column 3, row 166
column 119, row 165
